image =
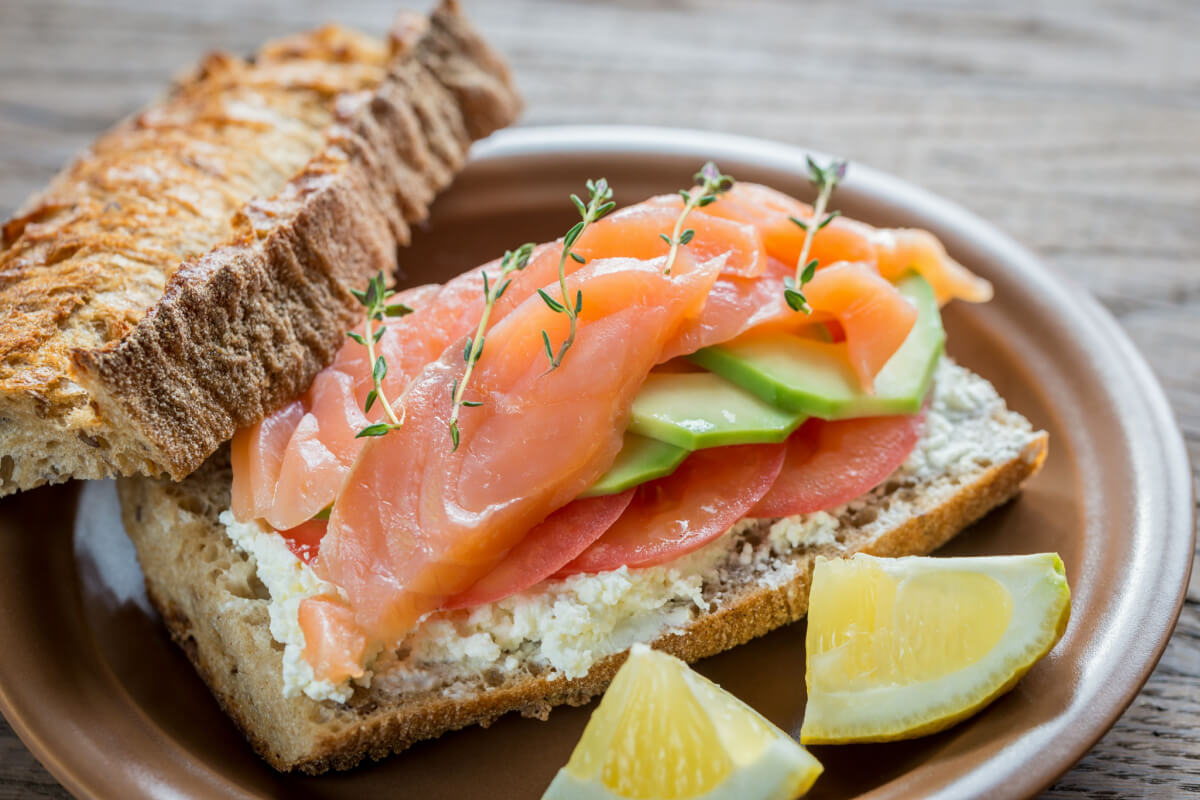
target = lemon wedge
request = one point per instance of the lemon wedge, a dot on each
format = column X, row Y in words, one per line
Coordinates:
column 903, row 647
column 663, row 731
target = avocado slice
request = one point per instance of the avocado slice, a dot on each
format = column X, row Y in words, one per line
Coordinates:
column 814, row 378
column 694, row 410
column 641, row 459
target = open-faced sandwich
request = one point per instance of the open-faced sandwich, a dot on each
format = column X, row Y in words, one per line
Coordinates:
column 644, row 432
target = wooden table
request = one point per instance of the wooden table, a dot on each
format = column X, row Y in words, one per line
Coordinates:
column 1074, row 126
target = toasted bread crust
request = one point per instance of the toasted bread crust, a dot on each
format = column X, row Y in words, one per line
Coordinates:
column 174, row 528
column 191, row 272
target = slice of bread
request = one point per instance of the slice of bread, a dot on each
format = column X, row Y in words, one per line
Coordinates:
column 471, row 667
column 190, row 271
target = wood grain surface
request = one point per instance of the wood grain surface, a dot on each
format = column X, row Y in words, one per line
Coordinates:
column 1074, row 126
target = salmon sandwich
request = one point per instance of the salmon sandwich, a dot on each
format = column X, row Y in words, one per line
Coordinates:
column 644, row 432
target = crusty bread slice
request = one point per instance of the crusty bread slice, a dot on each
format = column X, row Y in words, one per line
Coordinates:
column 973, row 455
column 190, row 272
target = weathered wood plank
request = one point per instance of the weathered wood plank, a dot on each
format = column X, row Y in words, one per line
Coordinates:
column 1072, row 125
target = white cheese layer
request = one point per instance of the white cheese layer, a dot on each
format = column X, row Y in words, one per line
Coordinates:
column 289, row 580
column 568, row 625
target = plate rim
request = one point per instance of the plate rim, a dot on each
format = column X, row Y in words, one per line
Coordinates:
column 1178, row 514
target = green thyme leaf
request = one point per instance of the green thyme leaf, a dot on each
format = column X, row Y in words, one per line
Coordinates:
column 711, row 184
column 378, row 429
column 829, row 218
column 598, row 204
column 826, row 180
column 795, row 300
column 555, row 306
column 573, row 234
column 493, row 290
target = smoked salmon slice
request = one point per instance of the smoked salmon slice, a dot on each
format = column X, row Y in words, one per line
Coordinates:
column 872, row 313
column 769, row 211
column 874, row 317
column 302, row 459
column 334, row 644
column 898, row 250
column 893, row 250
column 290, row 466
column 256, row 456
column 735, row 305
column 638, row 231
column 417, row 521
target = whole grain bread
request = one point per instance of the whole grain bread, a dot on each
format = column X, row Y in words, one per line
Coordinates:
column 973, row 455
column 190, row 271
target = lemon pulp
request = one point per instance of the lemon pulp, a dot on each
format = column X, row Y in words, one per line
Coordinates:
column 663, row 731
column 903, row 647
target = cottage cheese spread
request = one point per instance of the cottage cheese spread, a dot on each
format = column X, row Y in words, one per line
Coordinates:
column 289, row 580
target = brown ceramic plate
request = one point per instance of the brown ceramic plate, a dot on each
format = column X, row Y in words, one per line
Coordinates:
column 91, row 683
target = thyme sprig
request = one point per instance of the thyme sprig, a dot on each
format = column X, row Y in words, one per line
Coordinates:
column 711, row 184
column 599, row 203
column 375, row 299
column 826, row 180
column 513, row 261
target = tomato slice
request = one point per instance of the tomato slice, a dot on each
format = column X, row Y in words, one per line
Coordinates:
column 830, row 463
column 672, row 516
column 546, row 549
column 304, row 540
